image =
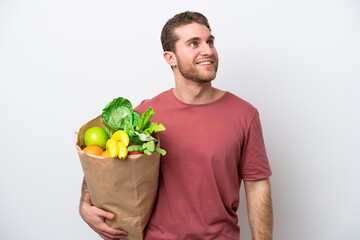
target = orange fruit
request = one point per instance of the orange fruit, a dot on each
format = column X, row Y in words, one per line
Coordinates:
column 105, row 154
column 93, row 150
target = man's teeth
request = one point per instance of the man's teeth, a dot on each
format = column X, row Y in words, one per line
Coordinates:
column 204, row 63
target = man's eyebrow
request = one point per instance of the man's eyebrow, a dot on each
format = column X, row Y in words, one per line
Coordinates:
column 197, row 39
column 193, row 39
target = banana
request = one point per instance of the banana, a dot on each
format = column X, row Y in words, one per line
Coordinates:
column 113, row 148
column 123, row 151
column 117, row 144
column 122, row 136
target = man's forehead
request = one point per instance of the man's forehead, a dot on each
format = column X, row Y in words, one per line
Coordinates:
column 192, row 31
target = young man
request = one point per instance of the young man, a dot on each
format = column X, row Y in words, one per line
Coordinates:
column 213, row 141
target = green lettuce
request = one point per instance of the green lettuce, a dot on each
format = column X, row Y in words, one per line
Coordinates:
column 145, row 119
column 145, row 128
column 119, row 115
column 150, row 147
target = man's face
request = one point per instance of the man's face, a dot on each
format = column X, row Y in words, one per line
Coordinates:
column 195, row 53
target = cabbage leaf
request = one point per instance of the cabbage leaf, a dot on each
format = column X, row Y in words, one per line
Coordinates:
column 119, row 115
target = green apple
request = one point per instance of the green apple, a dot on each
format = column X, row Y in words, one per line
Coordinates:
column 96, row 136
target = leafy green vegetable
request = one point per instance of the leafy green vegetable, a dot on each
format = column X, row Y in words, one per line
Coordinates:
column 144, row 126
column 141, row 137
column 150, row 147
column 119, row 114
column 154, row 128
column 161, row 151
column 145, row 119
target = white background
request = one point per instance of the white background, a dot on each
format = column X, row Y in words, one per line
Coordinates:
column 298, row 62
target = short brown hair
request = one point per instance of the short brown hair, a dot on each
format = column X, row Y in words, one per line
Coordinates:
column 168, row 37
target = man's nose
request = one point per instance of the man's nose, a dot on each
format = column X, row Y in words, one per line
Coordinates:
column 206, row 49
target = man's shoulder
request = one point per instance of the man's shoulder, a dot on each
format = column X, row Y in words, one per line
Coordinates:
column 153, row 102
column 240, row 103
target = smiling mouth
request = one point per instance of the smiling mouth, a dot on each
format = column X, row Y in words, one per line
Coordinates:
column 205, row 63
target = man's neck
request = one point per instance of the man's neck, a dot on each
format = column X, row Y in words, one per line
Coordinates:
column 197, row 93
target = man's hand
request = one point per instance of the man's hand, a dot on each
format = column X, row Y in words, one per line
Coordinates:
column 258, row 197
column 95, row 217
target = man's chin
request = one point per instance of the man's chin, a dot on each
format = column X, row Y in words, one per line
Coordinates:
column 198, row 76
column 206, row 80
column 202, row 80
column 208, row 77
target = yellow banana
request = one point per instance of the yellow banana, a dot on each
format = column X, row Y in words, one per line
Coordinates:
column 123, row 151
column 113, row 148
column 122, row 136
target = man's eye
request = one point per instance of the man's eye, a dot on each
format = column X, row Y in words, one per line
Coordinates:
column 211, row 43
column 193, row 44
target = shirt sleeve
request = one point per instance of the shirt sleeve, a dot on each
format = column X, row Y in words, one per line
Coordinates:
column 254, row 164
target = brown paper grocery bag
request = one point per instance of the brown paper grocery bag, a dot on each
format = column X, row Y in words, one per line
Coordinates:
column 126, row 188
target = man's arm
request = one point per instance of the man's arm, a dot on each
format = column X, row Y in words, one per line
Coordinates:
column 259, row 204
column 94, row 217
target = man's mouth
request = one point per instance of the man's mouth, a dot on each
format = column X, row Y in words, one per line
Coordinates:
column 206, row 63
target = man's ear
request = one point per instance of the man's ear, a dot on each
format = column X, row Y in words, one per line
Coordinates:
column 170, row 58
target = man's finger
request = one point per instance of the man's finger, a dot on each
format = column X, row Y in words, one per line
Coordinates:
column 111, row 236
column 107, row 238
column 103, row 213
column 113, row 231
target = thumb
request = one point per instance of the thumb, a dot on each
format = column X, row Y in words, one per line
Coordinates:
column 105, row 214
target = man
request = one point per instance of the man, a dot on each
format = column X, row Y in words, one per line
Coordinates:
column 213, row 141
